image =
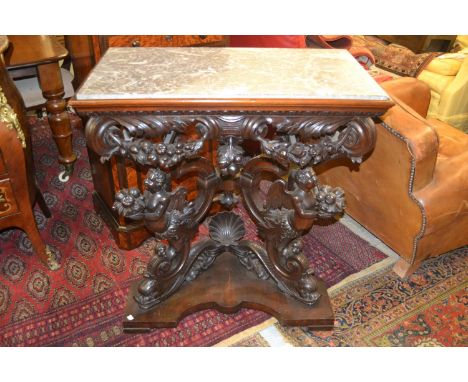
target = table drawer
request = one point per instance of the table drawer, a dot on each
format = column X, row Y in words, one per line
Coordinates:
column 163, row 40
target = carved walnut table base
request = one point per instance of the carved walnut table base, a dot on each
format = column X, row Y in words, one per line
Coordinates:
column 276, row 184
column 227, row 287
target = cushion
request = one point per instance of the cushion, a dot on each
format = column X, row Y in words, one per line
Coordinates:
column 437, row 82
column 444, row 66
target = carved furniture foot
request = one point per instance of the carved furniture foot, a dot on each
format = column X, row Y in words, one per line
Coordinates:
column 227, row 287
column 241, row 277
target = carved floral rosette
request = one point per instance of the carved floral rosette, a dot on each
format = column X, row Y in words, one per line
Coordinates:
column 290, row 145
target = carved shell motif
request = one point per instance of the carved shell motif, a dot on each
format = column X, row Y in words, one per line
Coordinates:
column 226, row 228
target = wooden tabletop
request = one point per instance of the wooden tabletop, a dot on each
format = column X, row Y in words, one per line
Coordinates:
column 27, row 51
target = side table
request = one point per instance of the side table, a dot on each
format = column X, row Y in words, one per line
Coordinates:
column 43, row 54
column 158, row 109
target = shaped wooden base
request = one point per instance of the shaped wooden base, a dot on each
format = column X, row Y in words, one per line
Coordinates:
column 227, row 286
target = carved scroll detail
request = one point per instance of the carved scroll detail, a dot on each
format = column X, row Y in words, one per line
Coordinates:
column 171, row 218
column 284, row 214
column 291, row 145
column 338, row 137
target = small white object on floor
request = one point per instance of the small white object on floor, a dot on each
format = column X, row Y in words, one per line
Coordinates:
column 274, row 337
column 64, row 177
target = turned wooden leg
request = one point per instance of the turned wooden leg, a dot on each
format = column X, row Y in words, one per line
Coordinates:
column 50, row 80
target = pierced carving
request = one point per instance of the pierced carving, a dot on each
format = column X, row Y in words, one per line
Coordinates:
column 203, row 262
column 228, row 199
column 171, row 218
column 310, row 127
column 230, row 158
column 341, row 137
column 226, row 230
column 310, row 198
column 283, row 215
column 284, row 246
column 122, row 135
column 291, row 144
column 250, row 261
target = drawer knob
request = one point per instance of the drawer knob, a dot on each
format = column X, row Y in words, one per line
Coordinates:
column 168, row 38
column 136, row 43
column 202, row 36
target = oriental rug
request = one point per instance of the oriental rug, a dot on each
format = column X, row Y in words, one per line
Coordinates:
column 82, row 303
column 380, row 309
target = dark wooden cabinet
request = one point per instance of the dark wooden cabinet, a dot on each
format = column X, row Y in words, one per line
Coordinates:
column 18, row 190
column 422, row 43
column 86, row 51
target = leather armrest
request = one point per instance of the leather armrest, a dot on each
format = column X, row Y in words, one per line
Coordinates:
column 421, row 137
column 413, row 92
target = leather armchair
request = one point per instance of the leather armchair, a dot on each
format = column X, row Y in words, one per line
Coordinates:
column 412, row 190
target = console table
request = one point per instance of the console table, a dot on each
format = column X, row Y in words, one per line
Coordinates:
column 198, row 127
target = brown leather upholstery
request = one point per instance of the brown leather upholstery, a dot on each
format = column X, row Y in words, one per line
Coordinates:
column 415, row 94
column 412, row 191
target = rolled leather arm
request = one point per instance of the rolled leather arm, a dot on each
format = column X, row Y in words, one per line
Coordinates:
column 420, row 137
column 413, row 92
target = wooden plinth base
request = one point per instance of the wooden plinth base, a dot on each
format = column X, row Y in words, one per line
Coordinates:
column 227, row 286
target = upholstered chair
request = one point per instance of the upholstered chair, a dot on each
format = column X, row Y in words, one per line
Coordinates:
column 412, row 190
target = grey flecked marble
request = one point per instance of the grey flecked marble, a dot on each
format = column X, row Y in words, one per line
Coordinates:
column 220, row 73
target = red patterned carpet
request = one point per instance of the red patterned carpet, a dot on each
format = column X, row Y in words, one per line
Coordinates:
column 82, row 303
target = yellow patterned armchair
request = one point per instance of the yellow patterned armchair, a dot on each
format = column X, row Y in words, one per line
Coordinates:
column 447, row 76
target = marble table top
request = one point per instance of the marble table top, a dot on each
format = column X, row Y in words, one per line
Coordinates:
column 226, row 73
